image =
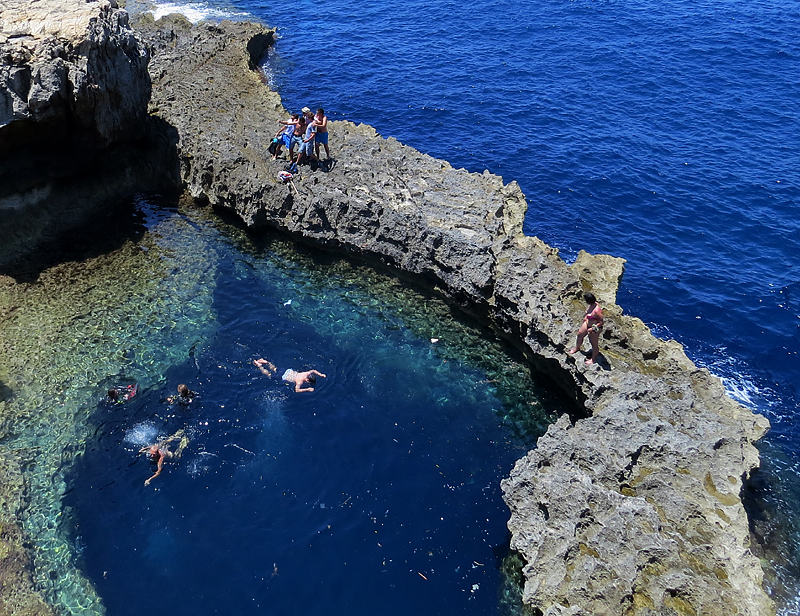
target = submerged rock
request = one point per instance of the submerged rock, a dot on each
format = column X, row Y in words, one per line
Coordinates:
column 18, row 597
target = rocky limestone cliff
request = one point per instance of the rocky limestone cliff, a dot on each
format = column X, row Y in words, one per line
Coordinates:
column 634, row 508
column 74, row 89
column 75, row 63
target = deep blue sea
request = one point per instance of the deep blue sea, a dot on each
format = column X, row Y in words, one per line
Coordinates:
column 666, row 133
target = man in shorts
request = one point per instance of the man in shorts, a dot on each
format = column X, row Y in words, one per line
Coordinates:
column 321, row 138
column 299, row 379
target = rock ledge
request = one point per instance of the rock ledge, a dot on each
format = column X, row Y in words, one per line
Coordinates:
column 633, row 507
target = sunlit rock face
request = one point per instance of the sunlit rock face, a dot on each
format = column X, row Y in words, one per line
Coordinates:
column 75, row 61
column 74, row 88
column 631, row 507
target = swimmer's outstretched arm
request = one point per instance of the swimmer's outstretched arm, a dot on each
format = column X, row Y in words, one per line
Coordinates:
column 158, row 470
column 318, row 374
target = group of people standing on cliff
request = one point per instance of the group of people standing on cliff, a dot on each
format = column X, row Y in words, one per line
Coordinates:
column 306, row 131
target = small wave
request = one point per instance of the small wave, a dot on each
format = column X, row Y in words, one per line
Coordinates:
column 145, row 433
column 273, row 68
column 738, row 384
column 198, row 466
column 741, row 389
column 196, row 11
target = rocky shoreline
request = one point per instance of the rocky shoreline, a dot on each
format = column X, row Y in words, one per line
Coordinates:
column 631, row 508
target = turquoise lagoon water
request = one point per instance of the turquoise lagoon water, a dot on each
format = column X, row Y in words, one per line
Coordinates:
column 377, row 493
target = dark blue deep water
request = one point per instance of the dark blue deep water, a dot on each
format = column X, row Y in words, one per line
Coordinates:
column 663, row 132
column 376, row 493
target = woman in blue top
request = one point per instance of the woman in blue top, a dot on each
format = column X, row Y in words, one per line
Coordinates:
column 284, row 135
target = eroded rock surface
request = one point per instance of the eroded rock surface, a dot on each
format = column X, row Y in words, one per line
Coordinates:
column 634, row 509
column 74, row 62
column 74, row 89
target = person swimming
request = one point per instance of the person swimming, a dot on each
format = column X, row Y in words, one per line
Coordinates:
column 120, row 393
column 301, row 378
column 290, row 375
column 159, row 452
column 267, row 367
column 185, row 396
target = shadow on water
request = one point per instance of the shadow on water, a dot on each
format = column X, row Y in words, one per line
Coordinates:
column 5, row 392
column 103, row 233
column 66, row 198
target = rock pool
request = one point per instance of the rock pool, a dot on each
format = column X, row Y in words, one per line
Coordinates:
column 377, row 492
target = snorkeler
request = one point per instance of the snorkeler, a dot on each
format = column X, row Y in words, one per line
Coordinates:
column 159, row 452
column 290, row 376
column 185, row 396
column 121, row 393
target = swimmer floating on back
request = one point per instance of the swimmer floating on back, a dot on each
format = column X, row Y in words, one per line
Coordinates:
column 159, row 452
column 290, row 376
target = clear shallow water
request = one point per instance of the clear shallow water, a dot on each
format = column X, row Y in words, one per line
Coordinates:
column 379, row 491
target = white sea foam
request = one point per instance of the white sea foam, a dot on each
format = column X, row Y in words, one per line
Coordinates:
column 741, row 389
column 145, row 433
column 196, row 11
column 746, row 388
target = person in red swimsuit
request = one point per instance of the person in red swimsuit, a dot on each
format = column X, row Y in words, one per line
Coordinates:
column 592, row 326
